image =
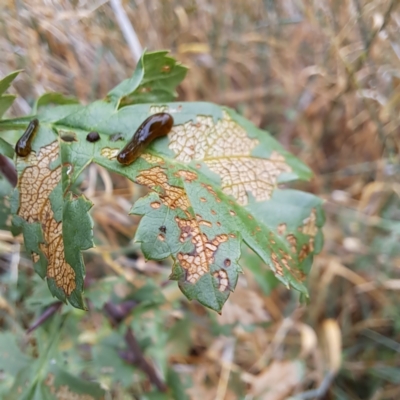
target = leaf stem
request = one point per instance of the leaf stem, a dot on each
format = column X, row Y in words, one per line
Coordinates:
column 135, row 356
column 45, row 316
column 8, row 170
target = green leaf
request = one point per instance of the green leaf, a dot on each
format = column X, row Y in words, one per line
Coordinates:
column 107, row 362
column 42, row 377
column 12, row 360
column 55, row 223
column 15, row 123
column 53, row 98
column 214, row 185
column 6, row 148
column 7, row 80
column 6, row 99
column 155, row 79
column 5, row 209
column 5, row 102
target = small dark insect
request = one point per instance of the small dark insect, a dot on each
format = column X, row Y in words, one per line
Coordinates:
column 163, row 229
column 93, row 136
column 24, row 144
column 155, row 126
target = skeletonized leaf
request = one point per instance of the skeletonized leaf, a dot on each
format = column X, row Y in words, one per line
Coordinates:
column 55, row 227
column 214, row 183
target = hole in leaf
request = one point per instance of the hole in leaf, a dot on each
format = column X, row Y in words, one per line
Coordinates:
column 68, row 136
column 116, row 136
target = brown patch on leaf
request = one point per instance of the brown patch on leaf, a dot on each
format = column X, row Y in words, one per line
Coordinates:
column 306, row 249
column 155, row 205
column 232, row 213
column 188, row 176
column 35, row 257
column 158, row 109
column 171, row 196
column 210, row 190
column 35, row 185
column 309, row 227
column 205, row 223
column 152, row 159
column 197, row 263
column 293, row 242
column 281, row 228
column 223, row 280
column 277, row 264
column 226, row 149
column 283, row 261
column 109, row 153
column 144, row 89
column 161, row 237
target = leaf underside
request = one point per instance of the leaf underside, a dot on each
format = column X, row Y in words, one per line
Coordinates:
column 214, row 183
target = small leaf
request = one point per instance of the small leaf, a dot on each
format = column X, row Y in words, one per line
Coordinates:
column 7, row 80
column 53, row 98
column 42, row 377
column 6, row 148
column 12, row 360
column 63, row 385
column 5, row 209
column 55, row 228
column 5, row 102
column 155, row 79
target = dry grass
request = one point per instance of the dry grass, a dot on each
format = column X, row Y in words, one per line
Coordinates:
column 324, row 78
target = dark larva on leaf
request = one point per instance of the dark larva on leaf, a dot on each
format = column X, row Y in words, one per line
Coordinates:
column 163, row 229
column 93, row 136
column 155, row 126
column 24, row 144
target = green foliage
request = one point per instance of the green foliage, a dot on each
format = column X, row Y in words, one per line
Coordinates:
column 41, row 377
column 201, row 206
column 216, row 201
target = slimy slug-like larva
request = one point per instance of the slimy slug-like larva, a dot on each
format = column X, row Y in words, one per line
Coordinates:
column 157, row 125
column 24, row 144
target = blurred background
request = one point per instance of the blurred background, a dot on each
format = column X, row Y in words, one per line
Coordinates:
column 323, row 77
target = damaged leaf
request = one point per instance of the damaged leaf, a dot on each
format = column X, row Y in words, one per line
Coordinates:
column 214, row 184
